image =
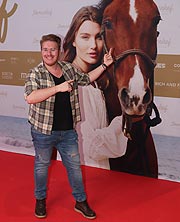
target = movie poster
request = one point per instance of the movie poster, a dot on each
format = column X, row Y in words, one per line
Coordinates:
column 22, row 23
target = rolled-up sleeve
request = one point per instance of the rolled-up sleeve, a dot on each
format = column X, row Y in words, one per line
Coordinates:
column 31, row 83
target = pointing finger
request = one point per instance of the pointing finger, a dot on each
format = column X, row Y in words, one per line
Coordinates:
column 110, row 51
column 70, row 81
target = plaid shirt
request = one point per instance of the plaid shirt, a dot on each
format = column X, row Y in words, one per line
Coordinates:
column 41, row 114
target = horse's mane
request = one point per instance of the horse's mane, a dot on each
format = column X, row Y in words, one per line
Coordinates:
column 103, row 4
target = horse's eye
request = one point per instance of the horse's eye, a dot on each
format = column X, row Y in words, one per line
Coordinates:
column 158, row 33
column 156, row 20
column 108, row 24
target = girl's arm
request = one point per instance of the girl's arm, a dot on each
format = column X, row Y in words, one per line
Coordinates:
column 108, row 60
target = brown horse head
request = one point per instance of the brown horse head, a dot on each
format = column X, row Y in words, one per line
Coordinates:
column 130, row 28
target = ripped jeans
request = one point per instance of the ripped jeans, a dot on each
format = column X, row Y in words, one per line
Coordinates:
column 66, row 142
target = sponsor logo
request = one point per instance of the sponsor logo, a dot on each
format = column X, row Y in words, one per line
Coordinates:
column 62, row 26
column 7, row 75
column 161, row 66
column 31, row 60
column 167, row 84
column 18, row 107
column 164, row 43
column 166, row 8
column 171, row 84
column 14, row 60
column 160, row 84
column 23, row 75
column 163, row 108
column 45, row 12
column 177, row 65
column 4, row 15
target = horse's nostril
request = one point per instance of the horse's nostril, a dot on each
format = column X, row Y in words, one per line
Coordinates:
column 147, row 97
column 124, row 96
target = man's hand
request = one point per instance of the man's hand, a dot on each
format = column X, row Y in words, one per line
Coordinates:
column 65, row 86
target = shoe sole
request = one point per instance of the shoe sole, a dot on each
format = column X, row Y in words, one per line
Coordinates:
column 38, row 216
column 79, row 211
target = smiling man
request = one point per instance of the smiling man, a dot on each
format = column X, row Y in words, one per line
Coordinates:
column 51, row 89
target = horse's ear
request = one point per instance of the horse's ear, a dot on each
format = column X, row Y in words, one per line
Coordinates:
column 103, row 81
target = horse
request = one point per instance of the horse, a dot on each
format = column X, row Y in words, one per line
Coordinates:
column 130, row 28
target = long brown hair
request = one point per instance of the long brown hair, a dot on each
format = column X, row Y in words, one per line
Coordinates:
column 85, row 13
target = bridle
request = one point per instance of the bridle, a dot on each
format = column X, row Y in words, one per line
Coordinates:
column 127, row 52
column 127, row 123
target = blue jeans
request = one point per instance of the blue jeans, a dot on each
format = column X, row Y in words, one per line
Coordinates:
column 66, row 142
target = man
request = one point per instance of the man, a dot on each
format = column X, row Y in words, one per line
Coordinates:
column 51, row 89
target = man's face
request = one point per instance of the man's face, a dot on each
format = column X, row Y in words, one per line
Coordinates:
column 50, row 53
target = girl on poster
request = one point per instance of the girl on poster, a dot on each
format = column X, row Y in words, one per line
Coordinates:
column 83, row 47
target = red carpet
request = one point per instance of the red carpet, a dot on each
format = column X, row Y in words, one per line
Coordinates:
column 116, row 197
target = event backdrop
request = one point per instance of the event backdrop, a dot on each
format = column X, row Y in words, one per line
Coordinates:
column 22, row 23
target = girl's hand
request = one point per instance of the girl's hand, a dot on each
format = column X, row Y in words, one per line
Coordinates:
column 108, row 59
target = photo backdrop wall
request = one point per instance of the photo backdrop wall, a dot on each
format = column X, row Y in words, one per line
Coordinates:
column 22, row 23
